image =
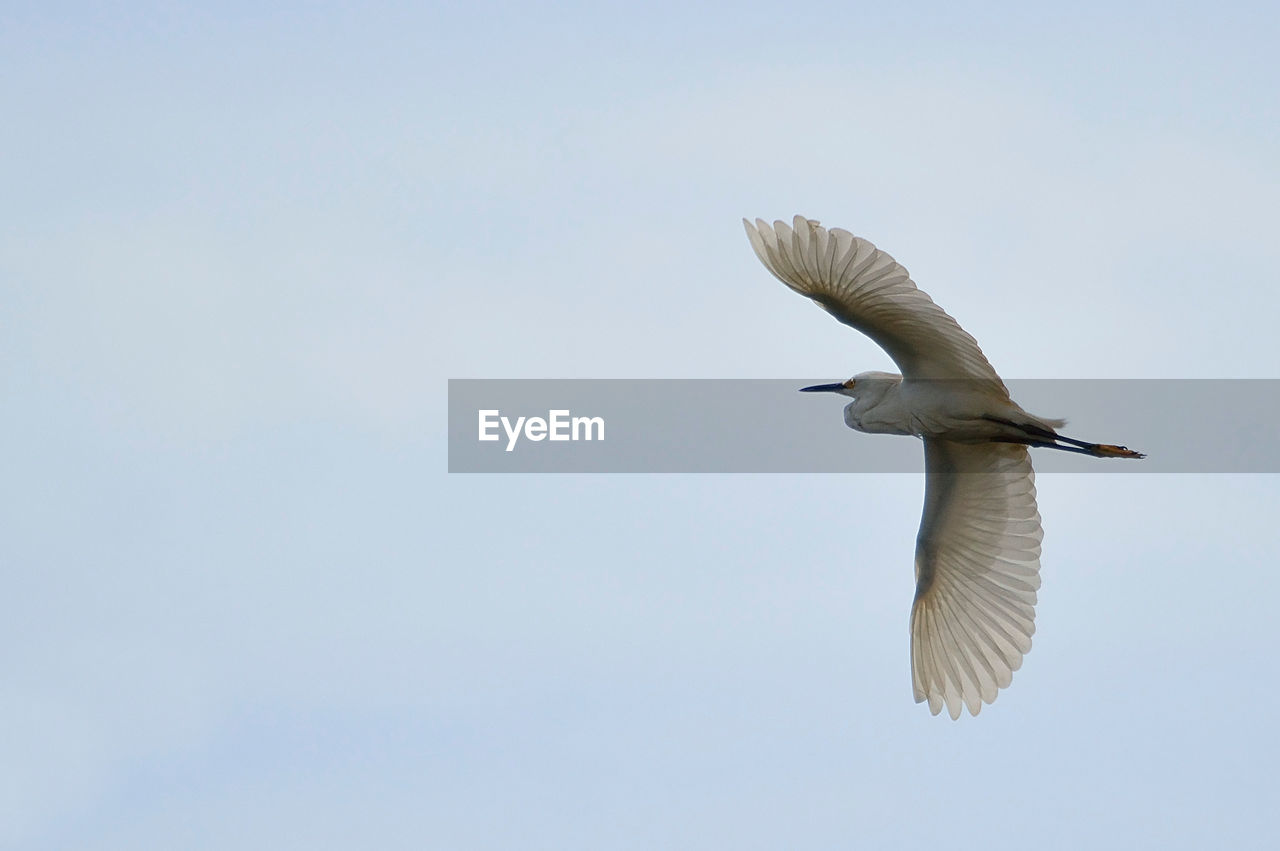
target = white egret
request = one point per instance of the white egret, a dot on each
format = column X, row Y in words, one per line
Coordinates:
column 978, row 549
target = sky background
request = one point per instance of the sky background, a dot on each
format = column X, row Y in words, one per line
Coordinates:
column 242, row 249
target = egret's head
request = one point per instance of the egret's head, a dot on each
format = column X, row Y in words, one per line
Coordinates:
column 863, row 383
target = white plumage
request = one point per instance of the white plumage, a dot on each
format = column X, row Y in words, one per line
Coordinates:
column 978, row 549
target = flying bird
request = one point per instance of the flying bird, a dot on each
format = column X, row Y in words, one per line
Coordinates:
column 978, row 549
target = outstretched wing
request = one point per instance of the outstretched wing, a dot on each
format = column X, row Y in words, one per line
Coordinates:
column 867, row 289
column 977, row 571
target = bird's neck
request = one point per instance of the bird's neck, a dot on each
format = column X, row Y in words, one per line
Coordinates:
column 879, row 411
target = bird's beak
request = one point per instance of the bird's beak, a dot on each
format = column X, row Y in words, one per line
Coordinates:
column 823, row 388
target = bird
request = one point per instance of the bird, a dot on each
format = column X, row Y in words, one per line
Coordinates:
column 977, row 556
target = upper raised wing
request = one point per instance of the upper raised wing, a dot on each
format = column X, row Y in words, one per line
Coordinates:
column 867, row 289
column 977, row 571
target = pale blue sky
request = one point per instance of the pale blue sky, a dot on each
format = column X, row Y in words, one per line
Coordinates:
column 242, row 251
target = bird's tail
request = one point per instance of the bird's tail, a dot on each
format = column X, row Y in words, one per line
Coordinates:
column 1051, row 425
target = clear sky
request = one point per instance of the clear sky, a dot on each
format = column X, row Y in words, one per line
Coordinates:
column 243, row 248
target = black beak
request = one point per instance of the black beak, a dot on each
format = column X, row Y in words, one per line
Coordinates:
column 823, row 388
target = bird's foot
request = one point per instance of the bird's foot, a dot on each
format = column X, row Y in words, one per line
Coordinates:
column 1107, row 450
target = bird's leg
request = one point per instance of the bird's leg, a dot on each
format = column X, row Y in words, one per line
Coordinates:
column 1041, row 443
column 1095, row 450
column 1039, row 436
column 1099, row 450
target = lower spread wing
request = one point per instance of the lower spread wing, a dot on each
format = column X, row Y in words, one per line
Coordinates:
column 867, row 289
column 977, row 571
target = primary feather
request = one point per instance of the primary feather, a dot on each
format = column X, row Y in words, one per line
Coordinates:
column 977, row 572
column 865, row 288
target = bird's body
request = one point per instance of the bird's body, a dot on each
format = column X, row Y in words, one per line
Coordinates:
column 978, row 549
column 948, row 408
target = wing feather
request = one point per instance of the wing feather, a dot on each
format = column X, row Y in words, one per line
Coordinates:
column 867, row 289
column 977, row 573
column 978, row 551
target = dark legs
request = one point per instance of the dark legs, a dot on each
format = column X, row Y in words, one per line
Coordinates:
column 1039, row 436
column 1097, row 450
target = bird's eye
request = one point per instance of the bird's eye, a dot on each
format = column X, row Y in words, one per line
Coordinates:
column 849, row 384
